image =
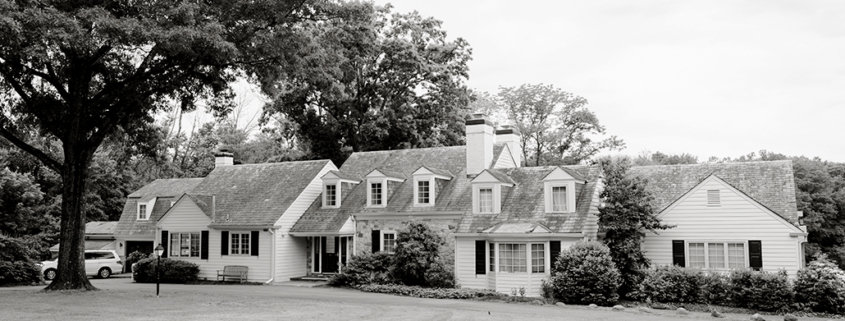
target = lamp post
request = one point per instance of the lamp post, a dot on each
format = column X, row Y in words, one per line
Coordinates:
column 159, row 251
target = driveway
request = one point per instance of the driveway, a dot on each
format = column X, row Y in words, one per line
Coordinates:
column 120, row 299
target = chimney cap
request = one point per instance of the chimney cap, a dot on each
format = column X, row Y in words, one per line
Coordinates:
column 507, row 129
column 478, row 119
column 223, row 152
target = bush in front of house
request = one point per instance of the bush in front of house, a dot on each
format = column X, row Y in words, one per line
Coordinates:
column 417, row 259
column 172, row 271
column 671, row 284
column 16, row 265
column 585, row 274
column 134, row 257
column 432, row 293
column 369, row 268
column 760, row 290
column 715, row 289
column 821, row 287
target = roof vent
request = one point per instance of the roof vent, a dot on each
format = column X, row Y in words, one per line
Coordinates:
column 713, row 197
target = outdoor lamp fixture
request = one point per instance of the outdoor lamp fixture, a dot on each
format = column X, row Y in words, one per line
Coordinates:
column 159, row 251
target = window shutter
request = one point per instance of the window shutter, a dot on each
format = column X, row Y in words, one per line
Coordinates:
column 165, row 238
column 554, row 252
column 224, row 242
column 480, row 257
column 678, row 253
column 755, row 255
column 376, row 234
column 253, row 243
column 204, row 245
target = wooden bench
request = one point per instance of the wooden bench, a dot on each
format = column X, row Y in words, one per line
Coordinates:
column 233, row 272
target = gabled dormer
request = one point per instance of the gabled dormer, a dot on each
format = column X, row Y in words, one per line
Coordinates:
column 487, row 191
column 378, row 187
column 333, row 183
column 559, row 188
column 425, row 184
column 145, row 209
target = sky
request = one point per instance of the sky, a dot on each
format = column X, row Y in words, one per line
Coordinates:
column 709, row 78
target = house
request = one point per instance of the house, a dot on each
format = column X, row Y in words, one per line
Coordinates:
column 726, row 216
column 99, row 235
column 241, row 215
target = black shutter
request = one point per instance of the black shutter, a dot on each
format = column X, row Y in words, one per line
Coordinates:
column 253, row 246
column 480, row 257
column 554, row 252
column 164, row 240
column 224, row 242
column 678, row 253
column 204, row 245
column 755, row 255
column 376, row 240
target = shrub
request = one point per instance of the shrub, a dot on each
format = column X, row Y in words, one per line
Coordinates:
column 417, row 254
column 172, row 271
column 821, row 287
column 433, row 293
column 370, row 268
column 715, row 289
column 584, row 274
column 760, row 290
column 134, row 257
column 671, row 284
column 16, row 267
column 440, row 275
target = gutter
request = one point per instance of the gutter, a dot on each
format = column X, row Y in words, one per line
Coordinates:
column 272, row 232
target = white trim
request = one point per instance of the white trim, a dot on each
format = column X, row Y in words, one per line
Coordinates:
column 726, row 253
column 148, row 209
column 381, row 239
column 570, row 195
column 337, row 193
column 432, row 190
column 170, row 243
column 497, row 197
column 370, row 182
column 249, row 244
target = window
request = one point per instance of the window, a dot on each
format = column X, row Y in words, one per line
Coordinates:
column 389, row 242
column 331, row 195
column 142, row 211
column 713, row 197
column 423, row 192
column 184, row 244
column 375, row 194
column 538, row 258
column 559, row 198
column 717, row 255
column 492, row 247
column 240, row 243
column 512, row 257
column 485, row 200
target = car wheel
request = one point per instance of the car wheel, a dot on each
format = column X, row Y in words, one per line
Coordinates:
column 104, row 273
column 50, row 274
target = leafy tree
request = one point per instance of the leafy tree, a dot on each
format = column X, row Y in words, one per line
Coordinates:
column 417, row 255
column 658, row 158
column 20, row 202
column 376, row 80
column 556, row 126
column 81, row 71
column 626, row 216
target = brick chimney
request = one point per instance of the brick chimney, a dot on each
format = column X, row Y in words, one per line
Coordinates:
column 480, row 138
column 223, row 157
column 510, row 136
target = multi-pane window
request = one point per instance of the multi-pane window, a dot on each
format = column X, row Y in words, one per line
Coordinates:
column 142, row 211
column 239, row 243
column 538, row 258
column 512, row 257
column 331, row 195
column 485, row 200
column 375, row 193
column 696, row 255
column 423, row 192
column 184, row 244
column 559, row 198
column 492, row 247
column 389, row 242
column 717, row 255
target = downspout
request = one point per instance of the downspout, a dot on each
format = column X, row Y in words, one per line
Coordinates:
column 272, row 232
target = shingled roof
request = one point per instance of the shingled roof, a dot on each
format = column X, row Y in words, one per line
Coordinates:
column 166, row 190
column 771, row 183
column 256, row 194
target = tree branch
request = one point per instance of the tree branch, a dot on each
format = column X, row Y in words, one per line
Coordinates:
column 48, row 161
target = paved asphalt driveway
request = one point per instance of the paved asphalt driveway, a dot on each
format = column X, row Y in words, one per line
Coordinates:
column 120, row 299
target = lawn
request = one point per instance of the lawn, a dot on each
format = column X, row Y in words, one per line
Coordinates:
column 120, row 299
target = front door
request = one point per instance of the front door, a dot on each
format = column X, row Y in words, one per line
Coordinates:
column 330, row 253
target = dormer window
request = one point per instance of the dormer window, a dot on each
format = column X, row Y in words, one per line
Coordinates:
column 559, row 189
column 377, row 186
column 376, row 196
column 485, row 200
column 142, row 212
column 423, row 192
column 487, row 191
column 333, row 187
column 559, row 198
column 330, row 196
column 425, row 187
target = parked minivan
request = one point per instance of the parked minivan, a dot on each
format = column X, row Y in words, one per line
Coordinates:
column 99, row 263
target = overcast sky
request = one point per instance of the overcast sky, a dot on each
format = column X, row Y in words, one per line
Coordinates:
column 710, row 78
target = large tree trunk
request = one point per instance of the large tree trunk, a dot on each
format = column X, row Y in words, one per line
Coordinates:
column 71, row 264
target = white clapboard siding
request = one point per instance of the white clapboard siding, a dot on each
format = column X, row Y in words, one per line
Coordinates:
column 291, row 256
column 185, row 216
column 738, row 218
column 465, row 265
column 505, row 159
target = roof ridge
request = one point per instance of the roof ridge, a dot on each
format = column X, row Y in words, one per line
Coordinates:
column 714, row 164
column 276, row 163
column 405, row 149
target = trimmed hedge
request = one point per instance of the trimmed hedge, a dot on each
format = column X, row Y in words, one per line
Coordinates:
column 585, row 274
column 432, row 293
column 760, row 290
column 172, row 271
column 671, row 284
column 369, row 268
column 821, row 287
